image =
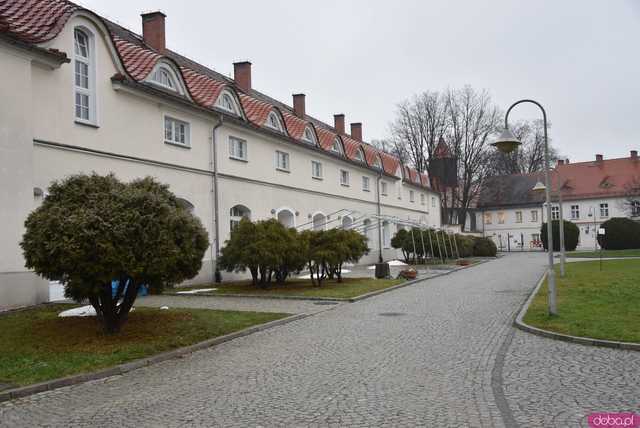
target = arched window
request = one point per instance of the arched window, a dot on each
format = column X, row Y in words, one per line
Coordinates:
column 309, row 136
column 84, row 72
column 336, row 147
column 237, row 213
column 286, row 217
column 359, row 155
column 274, row 122
column 227, row 103
column 186, row 205
column 319, row 221
column 347, row 222
column 162, row 77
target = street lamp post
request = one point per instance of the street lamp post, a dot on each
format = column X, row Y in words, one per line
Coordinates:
column 507, row 142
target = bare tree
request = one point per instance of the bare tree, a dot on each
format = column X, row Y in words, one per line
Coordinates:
column 631, row 202
column 420, row 123
column 529, row 157
column 473, row 119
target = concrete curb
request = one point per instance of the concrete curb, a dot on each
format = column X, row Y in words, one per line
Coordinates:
column 588, row 341
column 335, row 299
column 120, row 369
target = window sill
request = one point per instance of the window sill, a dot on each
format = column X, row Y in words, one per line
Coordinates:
column 182, row 146
column 317, row 178
column 238, row 159
column 344, row 185
column 85, row 123
column 283, row 170
column 384, row 194
column 366, row 190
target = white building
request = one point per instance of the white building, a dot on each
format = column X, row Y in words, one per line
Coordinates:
column 83, row 94
column 592, row 192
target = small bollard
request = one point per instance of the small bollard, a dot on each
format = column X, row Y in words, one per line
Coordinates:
column 382, row 271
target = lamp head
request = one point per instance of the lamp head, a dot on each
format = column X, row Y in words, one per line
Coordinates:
column 506, row 142
column 539, row 187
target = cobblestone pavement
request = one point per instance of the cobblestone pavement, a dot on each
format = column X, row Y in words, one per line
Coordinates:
column 439, row 353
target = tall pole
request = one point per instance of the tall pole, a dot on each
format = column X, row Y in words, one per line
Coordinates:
column 380, row 259
column 551, row 276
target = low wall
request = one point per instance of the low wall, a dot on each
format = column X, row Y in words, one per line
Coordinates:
column 18, row 289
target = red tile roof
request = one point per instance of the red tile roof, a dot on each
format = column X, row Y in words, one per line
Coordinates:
column 35, row 21
column 38, row 21
column 607, row 178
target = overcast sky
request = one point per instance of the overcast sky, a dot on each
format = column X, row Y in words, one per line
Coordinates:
column 579, row 58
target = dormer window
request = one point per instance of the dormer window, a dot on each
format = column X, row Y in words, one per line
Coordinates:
column 377, row 163
column 309, row 136
column 227, row 103
column 162, row 77
column 336, row 147
column 274, row 122
column 359, row 155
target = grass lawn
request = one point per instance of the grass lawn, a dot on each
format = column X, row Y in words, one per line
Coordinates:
column 350, row 287
column 591, row 303
column 37, row 345
column 605, row 253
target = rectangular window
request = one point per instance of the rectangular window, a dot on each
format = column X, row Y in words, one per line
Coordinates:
column 433, row 202
column 316, row 170
column 555, row 212
column 575, row 212
column 500, row 217
column 82, row 106
column 534, row 216
column 535, row 238
column 422, row 199
column 344, row 177
column 282, row 160
column 635, row 208
column 365, row 184
column 176, row 131
column 518, row 216
column 237, row 148
column 82, row 75
column 487, row 218
column 411, row 196
column 604, row 210
column 383, row 188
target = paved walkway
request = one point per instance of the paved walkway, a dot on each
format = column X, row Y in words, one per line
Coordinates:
column 440, row 353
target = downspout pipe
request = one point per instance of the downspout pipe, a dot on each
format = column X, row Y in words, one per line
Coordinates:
column 380, row 259
column 215, row 204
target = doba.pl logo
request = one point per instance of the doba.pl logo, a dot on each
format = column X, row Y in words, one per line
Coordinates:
column 614, row 420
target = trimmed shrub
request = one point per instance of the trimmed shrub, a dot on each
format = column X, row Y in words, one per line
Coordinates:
column 465, row 245
column 620, row 234
column 484, row 247
column 571, row 233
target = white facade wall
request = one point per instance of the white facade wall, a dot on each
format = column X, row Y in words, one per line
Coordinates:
column 588, row 221
column 40, row 142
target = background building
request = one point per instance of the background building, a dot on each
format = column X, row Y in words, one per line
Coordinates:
column 83, row 94
column 592, row 192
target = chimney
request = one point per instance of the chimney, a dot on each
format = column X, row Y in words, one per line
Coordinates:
column 298, row 105
column 153, row 30
column 560, row 162
column 242, row 75
column 599, row 158
column 634, row 154
column 338, row 123
column 356, row 131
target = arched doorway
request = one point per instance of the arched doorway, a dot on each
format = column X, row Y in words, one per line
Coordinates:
column 236, row 214
column 286, row 217
column 347, row 222
column 319, row 221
